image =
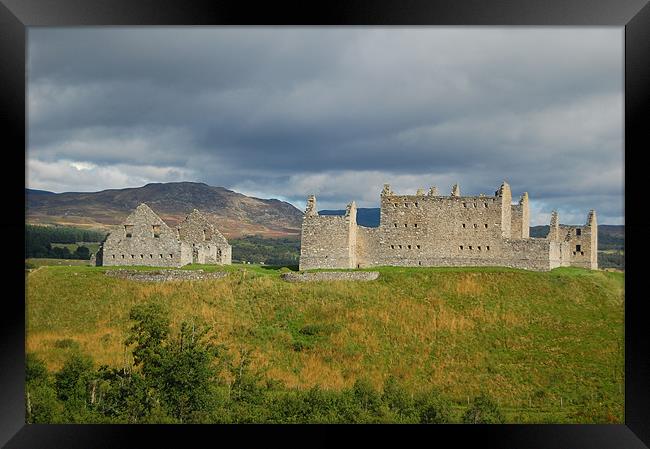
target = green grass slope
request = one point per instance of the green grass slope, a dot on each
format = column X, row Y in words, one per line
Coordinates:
column 548, row 347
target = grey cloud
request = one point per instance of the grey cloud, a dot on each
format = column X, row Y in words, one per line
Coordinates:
column 278, row 111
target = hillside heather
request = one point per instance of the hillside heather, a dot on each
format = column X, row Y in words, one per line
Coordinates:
column 234, row 213
column 544, row 347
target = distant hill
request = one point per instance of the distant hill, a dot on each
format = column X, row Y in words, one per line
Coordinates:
column 234, row 213
column 609, row 236
column 368, row 217
column 38, row 192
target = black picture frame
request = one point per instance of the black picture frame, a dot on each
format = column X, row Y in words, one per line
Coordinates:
column 17, row 15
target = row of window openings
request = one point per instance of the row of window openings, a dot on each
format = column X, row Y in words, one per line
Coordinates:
column 407, row 246
column 470, row 247
column 416, row 204
column 171, row 256
column 156, row 231
column 415, row 225
column 155, row 228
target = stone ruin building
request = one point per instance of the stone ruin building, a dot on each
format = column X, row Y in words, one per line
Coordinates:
column 436, row 230
column 145, row 239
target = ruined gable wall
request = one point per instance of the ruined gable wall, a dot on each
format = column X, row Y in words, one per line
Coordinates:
column 142, row 248
column 583, row 257
column 325, row 242
column 525, row 217
column 505, row 196
column 206, row 244
column 351, row 219
column 517, row 219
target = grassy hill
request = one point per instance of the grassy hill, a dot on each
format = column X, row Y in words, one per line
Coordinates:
column 548, row 347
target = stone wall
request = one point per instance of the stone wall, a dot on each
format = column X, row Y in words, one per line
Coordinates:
column 206, row 245
column 165, row 275
column 328, row 241
column 520, row 218
column 428, row 230
column 325, row 242
column 143, row 239
column 367, row 249
column 582, row 243
column 331, row 276
column 433, row 230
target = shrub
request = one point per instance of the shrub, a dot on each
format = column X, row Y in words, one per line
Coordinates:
column 483, row 411
column 433, row 409
column 397, row 399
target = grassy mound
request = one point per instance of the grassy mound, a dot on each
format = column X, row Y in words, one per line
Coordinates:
column 548, row 347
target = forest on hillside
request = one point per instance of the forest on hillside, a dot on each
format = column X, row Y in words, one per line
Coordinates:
column 40, row 240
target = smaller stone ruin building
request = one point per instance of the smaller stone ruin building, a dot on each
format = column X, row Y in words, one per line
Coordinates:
column 145, row 239
column 438, row 230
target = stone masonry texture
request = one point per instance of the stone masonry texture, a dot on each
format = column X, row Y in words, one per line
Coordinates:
column 145, row 239
column 434, row 230
column 331, row 276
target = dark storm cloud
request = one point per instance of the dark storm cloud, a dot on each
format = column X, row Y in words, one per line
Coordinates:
column 284, row 112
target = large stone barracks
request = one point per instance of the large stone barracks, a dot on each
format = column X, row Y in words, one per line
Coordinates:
column 432, row 230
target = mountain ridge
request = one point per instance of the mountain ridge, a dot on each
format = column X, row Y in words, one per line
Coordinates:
column 234, row 213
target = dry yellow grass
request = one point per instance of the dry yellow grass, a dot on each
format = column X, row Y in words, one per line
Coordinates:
column 508, row 332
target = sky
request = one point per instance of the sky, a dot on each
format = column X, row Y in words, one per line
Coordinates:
column 285, row 112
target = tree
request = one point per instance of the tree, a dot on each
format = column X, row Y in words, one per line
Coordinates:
column 397, row 399
column 483, row 411
column 82, row 253
column 433, row 409
column 72, row 381
column 148, row 333
column 41, row 403
column 180, row 370
column 187, row 373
